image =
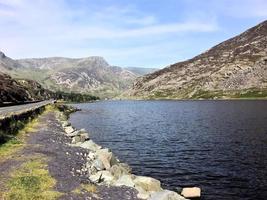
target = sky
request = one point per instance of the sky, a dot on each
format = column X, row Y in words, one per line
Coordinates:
column 127, row 33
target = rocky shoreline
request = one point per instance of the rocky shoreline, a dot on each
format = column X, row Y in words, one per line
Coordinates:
column 103, row 168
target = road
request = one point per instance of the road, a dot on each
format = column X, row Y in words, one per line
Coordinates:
column 10, row 110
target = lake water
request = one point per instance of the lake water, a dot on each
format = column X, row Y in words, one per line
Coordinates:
column 220, row 146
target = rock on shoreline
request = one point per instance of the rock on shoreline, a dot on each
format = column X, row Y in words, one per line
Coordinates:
column 103, row 168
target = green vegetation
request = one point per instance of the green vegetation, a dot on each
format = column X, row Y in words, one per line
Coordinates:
column 31, row 181
column 201, row 94
column 9, row 148
column 162, row 94
column 10, row 127
column 85, row 187
column 74, row 97
column 251, row 93
column 15, row 143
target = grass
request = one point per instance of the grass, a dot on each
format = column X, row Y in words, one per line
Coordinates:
column 201, row 94
column 31, row 181
column 251, row 93
column 85, row 187
column 17, row 143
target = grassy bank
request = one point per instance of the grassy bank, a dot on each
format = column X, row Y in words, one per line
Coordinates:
column 10, row 126
column 31, row 181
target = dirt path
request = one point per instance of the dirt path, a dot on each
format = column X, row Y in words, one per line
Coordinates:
column 63, row 162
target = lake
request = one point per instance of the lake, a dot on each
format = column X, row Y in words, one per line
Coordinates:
column 220, row 146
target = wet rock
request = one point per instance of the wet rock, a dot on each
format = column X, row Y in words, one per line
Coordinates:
column 166, row 195
column 192, row 192
column 90, row 145
column 148, row 183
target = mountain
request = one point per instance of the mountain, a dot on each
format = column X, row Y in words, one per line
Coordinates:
column 234, row 68
column 12, row 90
column 82, row 75
column 140, row 71
column 7, row 64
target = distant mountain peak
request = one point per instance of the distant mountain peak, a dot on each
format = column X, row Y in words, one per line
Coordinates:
column 2, row 55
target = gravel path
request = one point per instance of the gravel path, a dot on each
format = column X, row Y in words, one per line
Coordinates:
column 64, row 162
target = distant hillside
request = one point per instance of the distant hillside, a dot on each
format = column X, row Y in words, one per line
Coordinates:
column 84, row 75
column 141, row 70
column 234, row 68
column 12, row 90
column 7, row 64
column 21, row 90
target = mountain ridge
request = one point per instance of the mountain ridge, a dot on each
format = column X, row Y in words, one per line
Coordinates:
column 92, row 75
column 237, row 64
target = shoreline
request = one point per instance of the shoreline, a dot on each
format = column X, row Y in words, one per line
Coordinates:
column 104, row 168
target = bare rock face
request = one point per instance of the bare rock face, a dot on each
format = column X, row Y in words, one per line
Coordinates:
column 232, row 68
column 86, row 75
column 80, row 75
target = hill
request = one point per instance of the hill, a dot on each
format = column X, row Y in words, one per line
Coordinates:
column 81, row 75
column 12, row 90
column 232, row 69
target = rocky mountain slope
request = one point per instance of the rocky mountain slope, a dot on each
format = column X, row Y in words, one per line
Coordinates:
column 7, row 64
column 12, row 90
column 234, row 68
column 84, row 75
column 140, row 71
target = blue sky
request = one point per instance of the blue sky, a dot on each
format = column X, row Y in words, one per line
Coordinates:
column 140, row 33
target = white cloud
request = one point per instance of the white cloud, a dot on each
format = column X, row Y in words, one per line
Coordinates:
column 52, row 28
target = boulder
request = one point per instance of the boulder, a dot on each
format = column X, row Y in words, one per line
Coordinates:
column 79, row 137
column 148, row 183
column 98, row 165
column 65, row 123
column 118, row 170
column 191, row 192
column 142, row 194
column 126, row 167
column 84, row 137
column 74, row 133
column 166, row 195
column 76, row 139
column 91, row 155
column 106, row 157
column 102, row 177
column 90, row 145
column 126, row 180
column 69, row 129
